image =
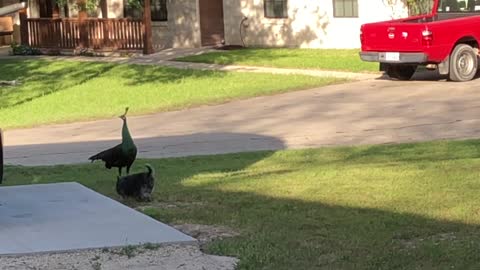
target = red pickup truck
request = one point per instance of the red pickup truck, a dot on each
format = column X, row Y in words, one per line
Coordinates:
column 444, row 37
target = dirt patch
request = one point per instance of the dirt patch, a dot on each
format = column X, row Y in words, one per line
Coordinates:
column 181, row 257
column 169, row 205
column 436, row 238
column 206, row 233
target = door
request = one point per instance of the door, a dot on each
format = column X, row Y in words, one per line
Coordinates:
column 211, row 22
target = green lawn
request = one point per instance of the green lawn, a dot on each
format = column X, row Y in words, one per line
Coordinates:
column 65, row 91
column 408, row 206
column 343, row 60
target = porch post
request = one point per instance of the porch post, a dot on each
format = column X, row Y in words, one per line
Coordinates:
column 83, row 28
column 147, row 23
column 104, row 7
column 23, row 27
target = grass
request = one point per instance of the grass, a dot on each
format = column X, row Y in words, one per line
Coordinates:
column 407, row 206
column 66, row 91
column 342, row 60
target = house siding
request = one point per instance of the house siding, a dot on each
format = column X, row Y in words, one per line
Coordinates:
column 310, row 24
column 181, row 30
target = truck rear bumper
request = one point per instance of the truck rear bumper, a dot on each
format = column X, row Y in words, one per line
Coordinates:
column 404, row 58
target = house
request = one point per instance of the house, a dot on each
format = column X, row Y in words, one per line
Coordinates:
column 279, row 23
column 304, row 23
column 8, row 23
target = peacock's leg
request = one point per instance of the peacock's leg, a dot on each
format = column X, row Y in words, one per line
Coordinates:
column 128, row 169
column 120, row 171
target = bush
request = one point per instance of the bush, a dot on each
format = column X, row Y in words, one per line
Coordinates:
column 24, row 50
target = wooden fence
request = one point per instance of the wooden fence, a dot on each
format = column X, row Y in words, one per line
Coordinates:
column 71, row 33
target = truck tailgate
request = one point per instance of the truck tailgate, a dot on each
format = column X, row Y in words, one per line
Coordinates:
column 392, row 36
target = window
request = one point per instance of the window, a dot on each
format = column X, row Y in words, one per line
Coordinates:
column 458, row 6
column 158, row 8
column 275, row 8
column 345, row 8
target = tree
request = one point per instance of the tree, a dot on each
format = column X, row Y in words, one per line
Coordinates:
column 415, row 7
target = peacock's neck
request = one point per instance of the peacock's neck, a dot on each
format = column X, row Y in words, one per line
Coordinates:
column 126, row 137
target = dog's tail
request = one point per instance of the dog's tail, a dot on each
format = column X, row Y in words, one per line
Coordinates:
column 151, row 170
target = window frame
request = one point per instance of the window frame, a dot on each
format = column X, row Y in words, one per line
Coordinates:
column 159, row 11
column 343, row 3
column 285, row 11
column 129, row 12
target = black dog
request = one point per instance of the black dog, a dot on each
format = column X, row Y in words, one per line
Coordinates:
column 139, row 185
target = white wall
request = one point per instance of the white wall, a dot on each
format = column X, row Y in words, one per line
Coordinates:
column 310, row 24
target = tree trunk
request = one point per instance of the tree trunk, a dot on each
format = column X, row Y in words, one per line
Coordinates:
column 82, row 20
column 147, row 23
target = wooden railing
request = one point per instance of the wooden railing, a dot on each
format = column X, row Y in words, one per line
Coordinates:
column 69, row 33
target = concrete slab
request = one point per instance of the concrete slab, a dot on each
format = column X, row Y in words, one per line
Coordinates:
column 4, row 50
column 69, row 216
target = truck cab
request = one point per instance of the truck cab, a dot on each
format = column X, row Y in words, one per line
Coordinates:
column 439, row 34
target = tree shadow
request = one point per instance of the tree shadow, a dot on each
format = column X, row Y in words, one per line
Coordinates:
column 409, row 152
column 145, row 74
column 292, row 31
column 153, row 147
column 39, row 78
column 280, row 231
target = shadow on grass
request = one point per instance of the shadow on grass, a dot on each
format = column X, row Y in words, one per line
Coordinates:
column 242, row 55
column 147, row 74
column 285, row 233
column 413, row 152
column 41, row 77
column 292, row 234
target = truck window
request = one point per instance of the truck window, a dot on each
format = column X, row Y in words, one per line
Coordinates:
column 458, row 6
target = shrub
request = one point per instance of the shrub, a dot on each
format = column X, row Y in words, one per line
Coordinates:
column 24, row 50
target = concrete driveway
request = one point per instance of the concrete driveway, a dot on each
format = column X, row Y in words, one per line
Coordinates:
column 366, row 112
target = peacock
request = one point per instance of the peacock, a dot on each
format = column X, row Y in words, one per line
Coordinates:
column 122, row 155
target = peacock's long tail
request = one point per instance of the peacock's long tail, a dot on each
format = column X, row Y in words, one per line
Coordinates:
column 94, row 157
column 100, row 155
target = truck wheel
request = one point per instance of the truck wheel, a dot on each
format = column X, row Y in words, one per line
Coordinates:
column 463, row 63
column 401, row 72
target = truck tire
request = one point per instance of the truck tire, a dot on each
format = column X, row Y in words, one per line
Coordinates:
column 401, row 72
column 463, row 63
